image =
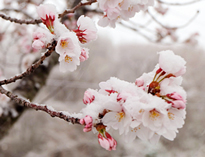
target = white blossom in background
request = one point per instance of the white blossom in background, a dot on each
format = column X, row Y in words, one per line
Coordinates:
column 116, row 10
column 152, row 107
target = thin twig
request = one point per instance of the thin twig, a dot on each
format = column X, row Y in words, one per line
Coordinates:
column 35, row 21
column 76, row 7
column 136, row 30
column 176, row 27
column 180, row 4
column 53, row 113
column 32, row 68
column 16, row 10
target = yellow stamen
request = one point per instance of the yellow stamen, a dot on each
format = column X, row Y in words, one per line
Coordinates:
column 64, row 43
column 120, row 116
column 68, row 59
column 171, row 115
column 154, row 114
column 141, row 111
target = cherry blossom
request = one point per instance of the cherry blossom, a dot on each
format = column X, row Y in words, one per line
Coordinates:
column 48, row 14
column 116, row 10
column 41, row 38
column 151, row 107
column 87, row 30
column 171, row 63
column 69, row 50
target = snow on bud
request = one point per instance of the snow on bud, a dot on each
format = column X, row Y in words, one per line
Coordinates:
column 139, row 82
column 88, row 122
column 171, row 63
column 48, row 14
column 106, row 141
column 89, row 97
column 84, row 54
column 87, row 30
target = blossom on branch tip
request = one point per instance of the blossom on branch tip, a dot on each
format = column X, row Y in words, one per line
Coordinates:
column 48, row 14
column 171, row 63
column 86, row 30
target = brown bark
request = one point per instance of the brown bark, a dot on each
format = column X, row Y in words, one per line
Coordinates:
column 28, row 87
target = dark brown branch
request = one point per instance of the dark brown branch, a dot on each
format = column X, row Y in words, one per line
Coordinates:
column 28, row 87
column 16, row 10
column 36, row 21
column 180, row 4
column 80, row 4
column 173, row 28
column 49, row 110
column 32, row 68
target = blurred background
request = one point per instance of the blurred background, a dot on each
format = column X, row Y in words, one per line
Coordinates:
column 122, row 52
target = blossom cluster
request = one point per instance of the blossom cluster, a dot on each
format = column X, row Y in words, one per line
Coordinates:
column 68, row 42
column 151, row 107
column 114, row 10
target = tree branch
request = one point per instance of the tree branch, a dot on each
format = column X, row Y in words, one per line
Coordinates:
column 28, row 87
column 80, row 4
column 47, row 109
column 16, row 10
column 173, row 28
column 35, row 21
column 32, row 68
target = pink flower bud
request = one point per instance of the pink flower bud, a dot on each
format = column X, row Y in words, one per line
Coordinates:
column 107, row 141
column 175, row 96
column 84, row 54
column 88, row 97
column 88, row 122
column 179, row 104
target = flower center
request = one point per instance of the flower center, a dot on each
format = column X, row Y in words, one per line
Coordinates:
column 68, row 59
column 64, row 43
column 154, row 114
column 171, row 115
column 120, row 116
